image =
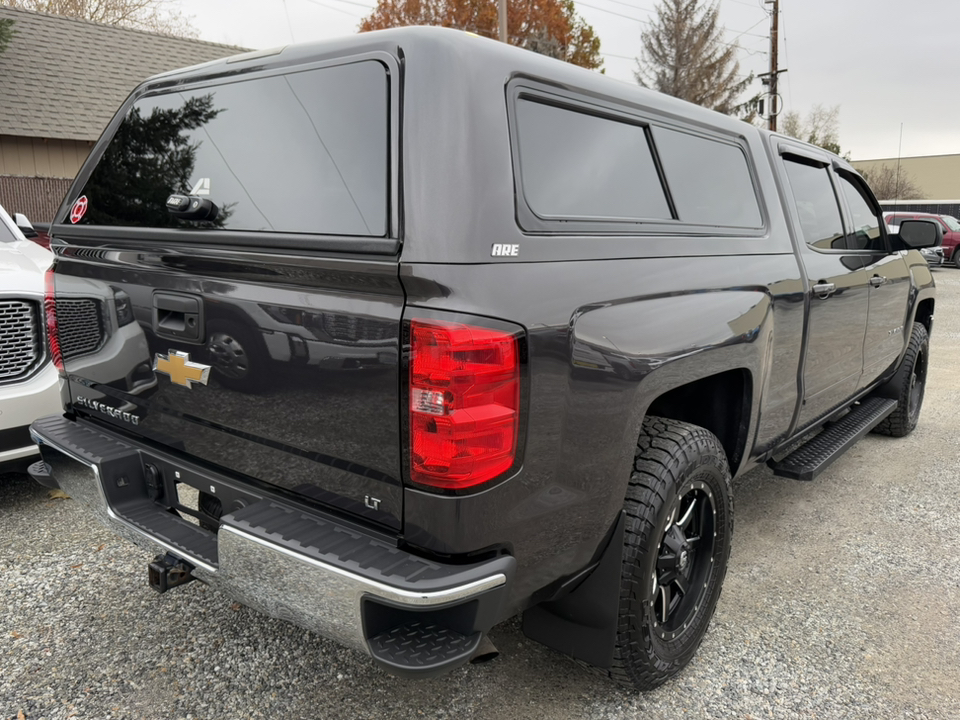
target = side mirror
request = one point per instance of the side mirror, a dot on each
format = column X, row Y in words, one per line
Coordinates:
column 25, row 227
column 918, row 234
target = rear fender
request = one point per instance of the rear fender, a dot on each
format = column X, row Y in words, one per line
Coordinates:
column 642, row 343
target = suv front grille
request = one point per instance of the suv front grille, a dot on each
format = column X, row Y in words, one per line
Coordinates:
column 21, row 348
column 79, row 327
column 352, row 329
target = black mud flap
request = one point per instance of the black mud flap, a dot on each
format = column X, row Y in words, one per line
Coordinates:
column 583, row 623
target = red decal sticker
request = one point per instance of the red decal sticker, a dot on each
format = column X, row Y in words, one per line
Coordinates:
column 79, row 209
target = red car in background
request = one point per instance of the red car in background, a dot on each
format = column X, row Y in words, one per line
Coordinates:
column 950, row 225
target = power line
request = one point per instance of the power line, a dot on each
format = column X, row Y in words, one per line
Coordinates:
column 786, row 52
column 614, row 55
column 363, row 5
column 331, row 7
column 747, row 31
column 648, row 22
column 611, row 12
column 289, row 25
column 631, row 5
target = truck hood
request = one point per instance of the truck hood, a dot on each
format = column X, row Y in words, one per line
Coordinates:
column 22, row 265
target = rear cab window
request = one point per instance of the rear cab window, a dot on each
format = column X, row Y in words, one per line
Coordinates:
column 817, row 207
column 865, row 233
column 581, row 167
column 305, row 152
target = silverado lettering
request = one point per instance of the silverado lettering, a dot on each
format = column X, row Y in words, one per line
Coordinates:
column 107, row 410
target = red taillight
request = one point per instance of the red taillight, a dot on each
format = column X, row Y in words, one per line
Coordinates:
column 50, row 312
column 464, row 403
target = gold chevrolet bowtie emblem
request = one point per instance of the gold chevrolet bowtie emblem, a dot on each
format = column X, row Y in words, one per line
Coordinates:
column 181, row 371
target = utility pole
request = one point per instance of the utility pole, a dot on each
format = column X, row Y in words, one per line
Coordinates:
column 770, row 79
column 774, row 72
column 503, row 20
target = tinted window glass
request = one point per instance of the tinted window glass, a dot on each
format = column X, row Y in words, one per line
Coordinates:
column 304, row 152
column 950, row 222
column 709, row 180
column 816, row 205
column 6, row 234
column 575, row 165
column 865, row 233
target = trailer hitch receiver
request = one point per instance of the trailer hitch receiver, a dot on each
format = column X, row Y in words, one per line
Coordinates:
column 168, row 571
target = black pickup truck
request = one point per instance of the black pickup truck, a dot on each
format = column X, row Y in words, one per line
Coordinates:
column 401, row 335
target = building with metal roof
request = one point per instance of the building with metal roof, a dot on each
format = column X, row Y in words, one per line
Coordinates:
column 61, row 80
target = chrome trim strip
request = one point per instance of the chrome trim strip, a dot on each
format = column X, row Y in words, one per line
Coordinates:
column 406, row 597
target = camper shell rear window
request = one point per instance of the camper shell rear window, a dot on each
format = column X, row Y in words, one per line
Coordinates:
column 301, row 152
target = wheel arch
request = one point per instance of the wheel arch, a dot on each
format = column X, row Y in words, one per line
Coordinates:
column 720, row 403
column 924, row 313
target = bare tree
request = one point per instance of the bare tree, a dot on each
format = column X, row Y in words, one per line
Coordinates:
column 151, row 15
column 820, row 127
column 889, row 182
column 684, row 55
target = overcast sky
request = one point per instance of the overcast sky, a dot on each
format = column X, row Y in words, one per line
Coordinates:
column 884, row 62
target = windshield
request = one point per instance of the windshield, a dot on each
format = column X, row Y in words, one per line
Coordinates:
column 6, row 234
column 951, row 222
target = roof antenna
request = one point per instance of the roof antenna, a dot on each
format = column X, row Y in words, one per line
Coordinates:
column 896, row 199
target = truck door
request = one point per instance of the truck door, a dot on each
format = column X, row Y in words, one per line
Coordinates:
column 887, row 275
column 836, row 294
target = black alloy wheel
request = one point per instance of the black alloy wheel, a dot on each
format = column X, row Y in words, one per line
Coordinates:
column 683, row 562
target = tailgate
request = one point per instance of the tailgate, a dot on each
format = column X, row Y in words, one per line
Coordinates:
column 301, row 379
column 207, row 298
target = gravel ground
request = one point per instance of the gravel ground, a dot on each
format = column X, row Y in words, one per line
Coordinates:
column 842, row 601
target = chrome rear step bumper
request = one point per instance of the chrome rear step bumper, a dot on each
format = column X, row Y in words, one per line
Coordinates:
column 313, row 569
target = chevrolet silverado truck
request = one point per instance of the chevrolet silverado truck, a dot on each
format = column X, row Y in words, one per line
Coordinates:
column 399, row 336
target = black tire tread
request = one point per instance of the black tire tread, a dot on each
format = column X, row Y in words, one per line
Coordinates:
column 663, row 450
column 899, row 423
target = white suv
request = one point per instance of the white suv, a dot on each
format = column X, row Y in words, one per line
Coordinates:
column 29, row 386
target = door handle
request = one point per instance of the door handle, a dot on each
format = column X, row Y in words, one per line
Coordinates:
column 877, row 280
column 824, row 289
column 176, row 316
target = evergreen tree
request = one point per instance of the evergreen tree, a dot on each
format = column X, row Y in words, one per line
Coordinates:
column 6, row 34
column 150, row 158
column 684, row 55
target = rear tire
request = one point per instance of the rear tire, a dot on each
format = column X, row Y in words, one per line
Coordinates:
column 679, row 523
column 911, row 379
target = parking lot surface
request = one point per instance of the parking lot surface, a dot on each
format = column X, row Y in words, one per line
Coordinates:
column 842, row 601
